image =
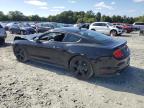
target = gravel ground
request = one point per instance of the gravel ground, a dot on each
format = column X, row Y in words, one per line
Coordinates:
column 36, row 85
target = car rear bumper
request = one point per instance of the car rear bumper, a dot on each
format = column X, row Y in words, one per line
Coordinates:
column 109, row 65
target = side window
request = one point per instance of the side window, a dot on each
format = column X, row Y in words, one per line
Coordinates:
column 53, row 36
column 47, row 37
column 71, row 38
column 96, row 24
column 103, row 24
column 99, row 24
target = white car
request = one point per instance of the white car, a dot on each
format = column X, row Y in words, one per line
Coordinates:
column 106, row 28
column 2, row 35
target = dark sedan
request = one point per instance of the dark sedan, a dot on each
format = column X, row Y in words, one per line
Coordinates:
column 83, row 52
column 22, row 29
column 43, row 27
column 3, row 35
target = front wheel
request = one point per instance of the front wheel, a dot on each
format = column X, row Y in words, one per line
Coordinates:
column 20, row 54
column 81, row 67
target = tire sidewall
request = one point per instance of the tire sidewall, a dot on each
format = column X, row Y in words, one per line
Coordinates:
column 111, row 33
column 25, row 54
column 90, row 72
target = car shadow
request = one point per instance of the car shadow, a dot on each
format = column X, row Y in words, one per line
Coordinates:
column 130, row 80
column 125, row 35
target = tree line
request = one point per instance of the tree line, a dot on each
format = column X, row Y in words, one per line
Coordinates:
column 70, row 17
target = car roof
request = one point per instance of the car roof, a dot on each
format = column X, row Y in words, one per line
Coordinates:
column 68, row 29
column 101, row 22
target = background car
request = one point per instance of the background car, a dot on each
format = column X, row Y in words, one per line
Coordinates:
column 8, row 25
column 21, row 28
column 43, row 27
column 2, row 35
column 83, row 52
column 138, row 25
column 106, row 28
column 126, row 27
column 82, row 25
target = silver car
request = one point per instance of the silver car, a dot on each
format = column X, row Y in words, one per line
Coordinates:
column 138, row 25
column 106, row 28
column 2, row 35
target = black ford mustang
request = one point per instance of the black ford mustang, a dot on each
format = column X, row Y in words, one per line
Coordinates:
column 84, row 52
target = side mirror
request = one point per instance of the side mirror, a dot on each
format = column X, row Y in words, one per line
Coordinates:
column 107, row 26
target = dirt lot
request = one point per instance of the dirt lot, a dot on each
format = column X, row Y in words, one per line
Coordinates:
column 39, row 85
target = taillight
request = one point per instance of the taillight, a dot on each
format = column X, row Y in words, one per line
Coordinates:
column 118, row 54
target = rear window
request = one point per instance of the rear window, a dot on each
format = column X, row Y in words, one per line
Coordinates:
column 98, row 37
column 139, row 23
column 71, row 38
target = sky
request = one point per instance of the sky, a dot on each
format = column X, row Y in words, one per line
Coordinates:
column 45, row 8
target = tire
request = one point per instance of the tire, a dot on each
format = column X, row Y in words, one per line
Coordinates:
column 20, row 54
column 81, row 67
column 93, row 29
column 2, row 41
column 113, row 33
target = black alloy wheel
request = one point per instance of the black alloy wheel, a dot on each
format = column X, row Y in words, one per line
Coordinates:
column 81, row 68
column 20, row 54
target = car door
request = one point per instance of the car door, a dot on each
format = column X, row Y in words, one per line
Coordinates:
column 99, row 27
column 45, row 48
column 104, row 28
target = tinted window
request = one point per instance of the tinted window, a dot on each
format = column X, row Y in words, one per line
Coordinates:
column 55, row 36
column 98, row 37
column 96, row 24
column 139, row 23
column 103, row 24
column 71, row 38
column 99, row 24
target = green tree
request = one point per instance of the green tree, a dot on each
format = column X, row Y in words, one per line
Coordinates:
column 15, row 16
column 98, row 16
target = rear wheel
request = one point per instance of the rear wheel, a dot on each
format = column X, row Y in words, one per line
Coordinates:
column 20, row 54
column 113, row 33
column 81, row 67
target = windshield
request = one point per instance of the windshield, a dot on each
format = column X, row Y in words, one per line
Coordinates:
column 93, row 35
column 110, row 24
